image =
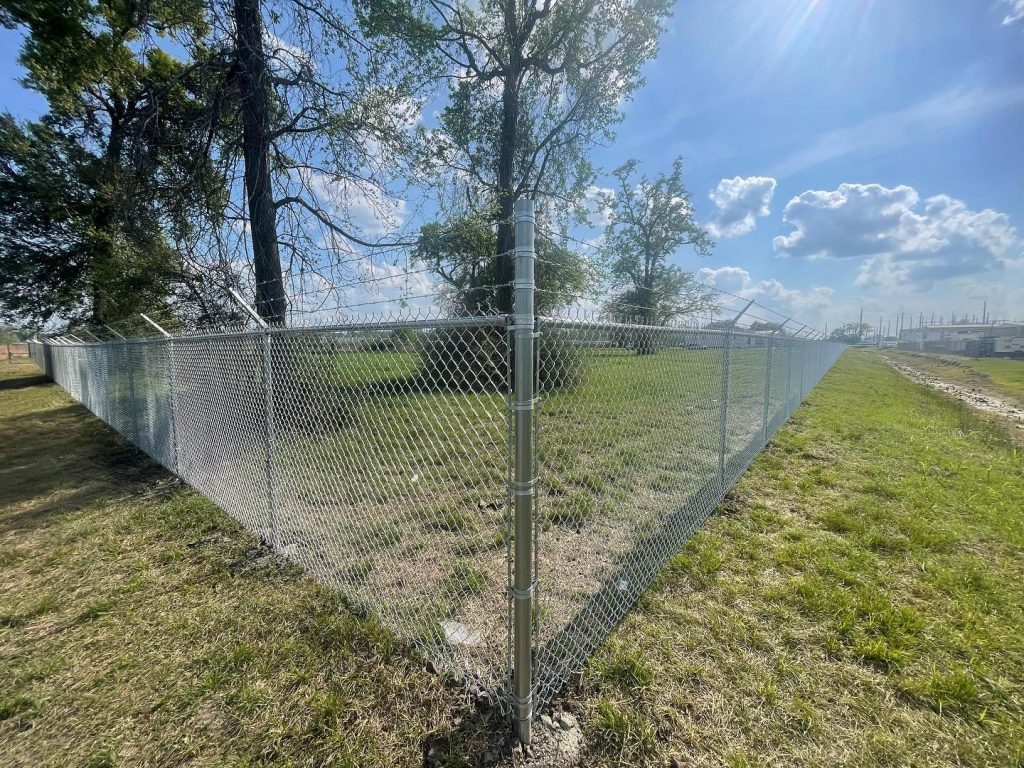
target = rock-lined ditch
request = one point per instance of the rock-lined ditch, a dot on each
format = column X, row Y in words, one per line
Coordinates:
column 973, row 397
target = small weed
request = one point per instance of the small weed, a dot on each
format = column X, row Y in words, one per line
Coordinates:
column 952, row 691
column 10, row 556
column 20, row 707
column 449, row 519
column 467, row 579
column 701, row 560
column 621, row 733
column 383, row 535
column 96, row 610
column 104, row 758
column 626, row 670
column 26, row 612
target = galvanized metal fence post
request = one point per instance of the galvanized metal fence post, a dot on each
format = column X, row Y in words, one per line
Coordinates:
column 524, row 483
column 768, row 382
column 723, row 410
column 173, row 396
column 789, row 376
column 803, row 365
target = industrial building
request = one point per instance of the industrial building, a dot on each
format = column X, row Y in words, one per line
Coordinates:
column 974, row 339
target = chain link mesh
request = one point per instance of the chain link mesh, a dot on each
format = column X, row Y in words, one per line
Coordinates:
column 373, row 454
column 377, row 454
column 643, row 429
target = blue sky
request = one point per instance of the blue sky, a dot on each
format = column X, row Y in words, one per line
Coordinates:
column 925, row 94
column 845, row 153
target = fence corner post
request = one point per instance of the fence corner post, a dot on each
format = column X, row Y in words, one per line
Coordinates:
column 524, row 482
column 768, row 384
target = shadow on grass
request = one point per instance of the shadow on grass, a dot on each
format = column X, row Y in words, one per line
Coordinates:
column 23, row 381
column 58, row 460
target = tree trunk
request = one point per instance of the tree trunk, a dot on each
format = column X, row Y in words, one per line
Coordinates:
column 506, row 192
column 254, row 89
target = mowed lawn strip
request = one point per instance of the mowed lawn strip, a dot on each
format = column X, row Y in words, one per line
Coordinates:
column 858, row 601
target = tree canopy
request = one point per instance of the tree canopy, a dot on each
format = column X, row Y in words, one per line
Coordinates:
column 852, row 333
column 93, row 195
column 533, row 86
column 650, row 221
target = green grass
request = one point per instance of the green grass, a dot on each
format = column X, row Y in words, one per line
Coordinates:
column 857, row 602
column 860, row 604
column 139, row 625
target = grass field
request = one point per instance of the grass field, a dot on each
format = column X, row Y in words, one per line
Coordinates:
column 1003, row 378
column 856, row 602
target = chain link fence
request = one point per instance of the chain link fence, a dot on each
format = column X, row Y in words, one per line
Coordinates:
column 498, row 490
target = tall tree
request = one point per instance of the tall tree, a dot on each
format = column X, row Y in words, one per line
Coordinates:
column 461, row 255
column 315, row 103
column 535, row 84
column 93, row 193
column 254, row 89
column 650, row 221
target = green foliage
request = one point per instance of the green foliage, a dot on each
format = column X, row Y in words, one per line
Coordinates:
column 467, row 579
column 541, row 86
column 94, row 193
column 851, row 333
column 620, row 732
column 461, row 253
column 650, row 221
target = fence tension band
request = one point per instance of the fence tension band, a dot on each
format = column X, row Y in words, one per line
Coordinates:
column 525, row 594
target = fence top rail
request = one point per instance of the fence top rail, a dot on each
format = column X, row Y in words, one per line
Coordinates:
column 670, row 328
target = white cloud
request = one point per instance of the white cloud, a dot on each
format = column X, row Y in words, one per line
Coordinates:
column 738, row 202
column 366, row 206
column 912, row 124
column 807, row 305
column 902, row 242
column 596, row 199
column 1016, row 12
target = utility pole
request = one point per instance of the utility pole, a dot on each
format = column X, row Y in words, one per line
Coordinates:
column 860, row 327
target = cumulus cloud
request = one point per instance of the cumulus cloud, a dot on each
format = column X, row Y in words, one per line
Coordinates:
column 771, row 293
column 738, row 203
column 1015, row 13
column 902, row 241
